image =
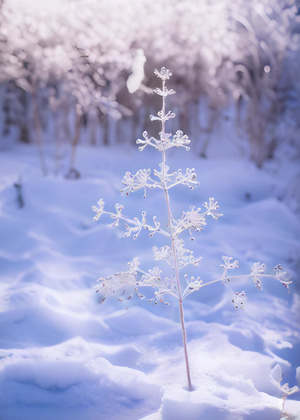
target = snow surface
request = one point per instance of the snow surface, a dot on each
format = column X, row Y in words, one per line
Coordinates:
column 63, row 356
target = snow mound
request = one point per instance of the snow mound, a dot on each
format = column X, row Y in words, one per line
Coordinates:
column 63, row 356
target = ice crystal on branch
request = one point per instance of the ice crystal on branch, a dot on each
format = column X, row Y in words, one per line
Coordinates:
column 282, row 276
column 99, row 210
column 123, row 283
column 163, row 253
column 171, row 180
column 238, row 300
column 191, row 219
column 160, row 116
column 193, row 284
column 116, row 216
column 165, row 92
column 164, row 74
column 146, row 142
column 175, row 254
column 257, row 270
column 212, row 208
column 181, row 140
column 228, row 265
column 141, row 179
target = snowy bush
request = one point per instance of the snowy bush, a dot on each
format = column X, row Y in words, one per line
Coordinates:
column 177, row 256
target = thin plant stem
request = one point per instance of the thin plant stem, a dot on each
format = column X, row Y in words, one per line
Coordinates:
column 173, row 247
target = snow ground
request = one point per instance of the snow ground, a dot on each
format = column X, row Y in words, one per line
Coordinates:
column 63, row 356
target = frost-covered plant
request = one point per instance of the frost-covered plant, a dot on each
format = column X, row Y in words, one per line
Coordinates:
column 175, row 253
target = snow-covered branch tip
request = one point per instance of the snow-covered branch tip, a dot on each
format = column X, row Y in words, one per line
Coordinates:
column 257, row 274
column 134, row 226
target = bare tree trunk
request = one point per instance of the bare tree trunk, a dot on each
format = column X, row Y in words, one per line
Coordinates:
column 38, row 132
column 73, row 173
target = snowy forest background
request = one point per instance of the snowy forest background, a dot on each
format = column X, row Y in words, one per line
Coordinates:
column 65, row 67
column 76, row 81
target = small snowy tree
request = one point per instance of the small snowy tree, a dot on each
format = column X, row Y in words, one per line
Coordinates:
column 175, row 254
